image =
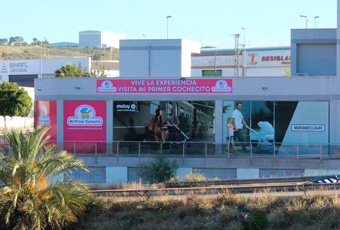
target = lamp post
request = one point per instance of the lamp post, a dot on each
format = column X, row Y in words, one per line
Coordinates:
column 307, row 20
column 40, row 59
column 244, row 51
column 316, row 17
column 167, row 26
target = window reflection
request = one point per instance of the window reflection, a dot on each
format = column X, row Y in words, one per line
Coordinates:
column 194, row 118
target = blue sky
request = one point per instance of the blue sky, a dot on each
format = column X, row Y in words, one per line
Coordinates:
column 212, row 23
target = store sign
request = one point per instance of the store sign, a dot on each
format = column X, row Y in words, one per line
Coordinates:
column 171, row 86
column 19, row 67
column 4, row 69
column 46, row 116
column 308, row 128
column 85, row 115
column 126, row 107
column 85, row 121
column 44, row 119
column 272, row 58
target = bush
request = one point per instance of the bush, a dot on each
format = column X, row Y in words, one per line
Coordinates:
column 161, row 170
column 195, row 177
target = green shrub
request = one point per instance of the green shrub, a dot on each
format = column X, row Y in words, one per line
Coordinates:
column 255, row 221
column 195, row 177
column 161, row 170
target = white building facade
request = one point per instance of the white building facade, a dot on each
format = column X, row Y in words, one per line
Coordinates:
column 260, row 62
column 24, row 71
column 99, row 39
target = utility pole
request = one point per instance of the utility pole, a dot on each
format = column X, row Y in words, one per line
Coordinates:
column 237, row 56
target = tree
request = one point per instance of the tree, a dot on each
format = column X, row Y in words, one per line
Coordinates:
column 34, row 193
column 71, row 71
column 35, row 41
column 14, row 101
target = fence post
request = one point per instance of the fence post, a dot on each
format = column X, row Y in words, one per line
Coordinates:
column 95, row 151
column 74, row 148
column 206, row 150
column 117, row 148
column 321, row 151
column 183, row 149
column 297, row 151
column 138, row 149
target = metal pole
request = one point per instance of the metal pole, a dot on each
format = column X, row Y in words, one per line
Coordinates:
column 167, row 26
column 183, row 149
column 244, row 52
column 41, row 60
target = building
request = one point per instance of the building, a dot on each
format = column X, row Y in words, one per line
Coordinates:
column 99, row 39
column 64, row 44
column 25, row 71
column 106, row 121
column 314, row 52
column 260, row 62
column 110, row 68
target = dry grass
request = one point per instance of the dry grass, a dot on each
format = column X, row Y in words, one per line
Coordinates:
column 222, row 211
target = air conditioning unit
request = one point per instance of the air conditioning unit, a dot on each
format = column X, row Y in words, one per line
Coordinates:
column 302, row 74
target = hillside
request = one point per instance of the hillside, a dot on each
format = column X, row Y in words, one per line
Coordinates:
column 34, row 52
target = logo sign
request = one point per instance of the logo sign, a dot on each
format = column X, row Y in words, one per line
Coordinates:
column 44, row 119
column 168, row 86
column 221, row 86
column 126, row 107
column 3, row 69
column 107, row 87
column 269, row 58
column 85, row 115
column 308, row 128
column 46, row 116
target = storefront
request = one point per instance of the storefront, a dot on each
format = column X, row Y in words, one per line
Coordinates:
column 120, row 110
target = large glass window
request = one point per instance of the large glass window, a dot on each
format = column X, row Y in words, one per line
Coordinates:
column 281, row 123
column 194, row 118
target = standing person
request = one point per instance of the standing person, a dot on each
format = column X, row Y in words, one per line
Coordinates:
column 238, row 122
column 229, row 142
column 156, row 125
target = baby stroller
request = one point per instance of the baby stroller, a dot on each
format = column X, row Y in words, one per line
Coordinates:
column 261, row 140
column 173, row 145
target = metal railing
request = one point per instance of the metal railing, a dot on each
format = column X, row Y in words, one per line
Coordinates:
column 195, row 149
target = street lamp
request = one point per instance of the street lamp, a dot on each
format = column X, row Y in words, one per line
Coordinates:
column 167, row 26
column 316, row 17
column 307, row 20
column 244, row 51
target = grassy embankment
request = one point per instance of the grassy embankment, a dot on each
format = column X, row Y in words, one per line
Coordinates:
column 34, row 52
column 223, row 211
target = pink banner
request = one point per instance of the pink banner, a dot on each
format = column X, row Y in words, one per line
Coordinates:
column 46, row 116
column 173, row 86
column 85, row 121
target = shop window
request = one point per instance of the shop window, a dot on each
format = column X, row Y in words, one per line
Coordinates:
column 195, row 119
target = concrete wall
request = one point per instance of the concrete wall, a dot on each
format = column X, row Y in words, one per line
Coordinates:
column 313, row 52
column 156, row 58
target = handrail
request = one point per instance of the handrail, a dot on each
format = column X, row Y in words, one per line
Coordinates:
column 202, row 149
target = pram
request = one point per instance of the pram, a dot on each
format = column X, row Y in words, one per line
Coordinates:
column 261, row 140
column 173, row 145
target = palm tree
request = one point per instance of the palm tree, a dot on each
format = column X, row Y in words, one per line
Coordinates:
column 35, row 193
